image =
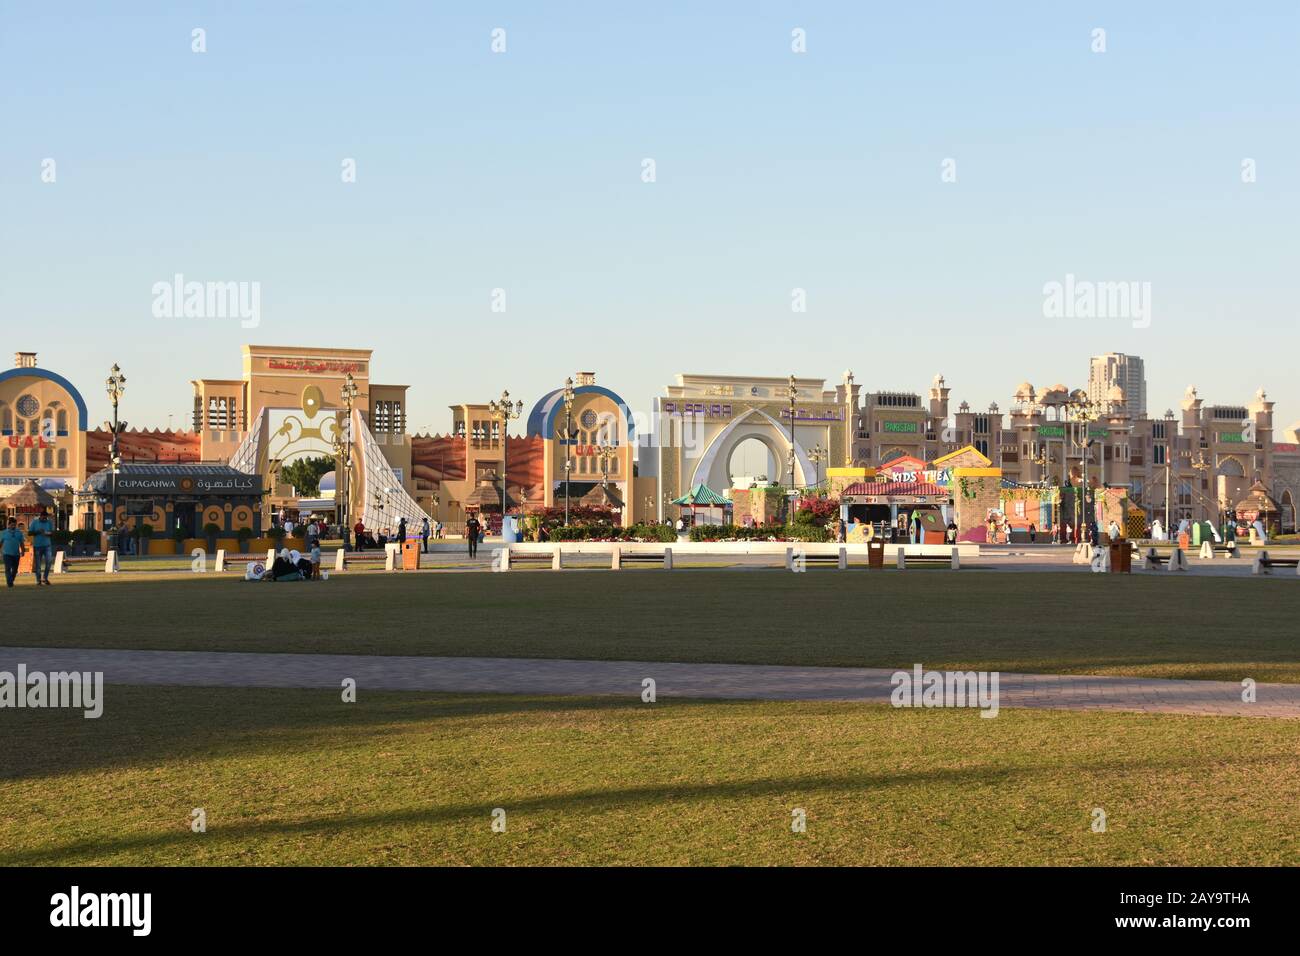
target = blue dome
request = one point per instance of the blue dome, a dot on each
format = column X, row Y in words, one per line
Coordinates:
column 541, row 420
column 58, row 380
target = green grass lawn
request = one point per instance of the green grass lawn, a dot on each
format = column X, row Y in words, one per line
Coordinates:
column 1154, row 626
column 297, row 777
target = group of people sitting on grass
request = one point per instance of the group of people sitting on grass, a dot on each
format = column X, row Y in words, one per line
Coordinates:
column 291, row 566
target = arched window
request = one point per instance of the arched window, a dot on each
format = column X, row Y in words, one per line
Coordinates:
column 6, row 459
column 63, row 459
column 6, row 419
column 61, row 421
column 49, row 458
column 20, row 459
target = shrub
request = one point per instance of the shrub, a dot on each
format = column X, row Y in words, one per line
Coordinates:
column 806, row 531
column 586, row 532
column 799, row 531
column 651, row 532
column 276, row 534
column 212, row 529
column 817, row 511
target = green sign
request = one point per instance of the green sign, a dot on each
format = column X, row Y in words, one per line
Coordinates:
column 1098, row 432
column 1232, row 437
column 1052, row 431
column 898, row 426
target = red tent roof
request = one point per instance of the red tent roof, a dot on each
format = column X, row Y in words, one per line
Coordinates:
column 895, row 488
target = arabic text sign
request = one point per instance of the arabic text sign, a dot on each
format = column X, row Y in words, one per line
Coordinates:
column 191, row 484
column 314, row 365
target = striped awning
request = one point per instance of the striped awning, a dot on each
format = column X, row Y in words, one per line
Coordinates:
column 916, row 488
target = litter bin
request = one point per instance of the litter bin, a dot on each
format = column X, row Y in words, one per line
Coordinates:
column 511, row 530
column 1121, row 557
column 411, row 554
column 875, row 553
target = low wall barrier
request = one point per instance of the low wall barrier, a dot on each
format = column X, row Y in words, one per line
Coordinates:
column 793, row 555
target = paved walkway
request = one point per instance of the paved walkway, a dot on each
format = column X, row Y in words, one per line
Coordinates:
column 622, row 678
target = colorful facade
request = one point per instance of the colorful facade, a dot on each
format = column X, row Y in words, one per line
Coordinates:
column 288, row 402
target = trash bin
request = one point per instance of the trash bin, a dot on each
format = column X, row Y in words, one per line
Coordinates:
column 875, row 553
column 411, row 554
column 510, row 530
column 1121, row 557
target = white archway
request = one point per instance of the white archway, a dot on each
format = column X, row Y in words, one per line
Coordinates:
column 712, row 467
column 752, row 458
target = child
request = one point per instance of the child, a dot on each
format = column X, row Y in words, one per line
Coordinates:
column 315, row 561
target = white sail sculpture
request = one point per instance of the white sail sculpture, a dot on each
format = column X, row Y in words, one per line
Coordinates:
column 380, row 501
column 377, row 498
column 248, row 455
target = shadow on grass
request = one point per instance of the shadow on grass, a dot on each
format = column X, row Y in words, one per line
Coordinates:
column 143, row 726
column 585, row 801
column 575, row 803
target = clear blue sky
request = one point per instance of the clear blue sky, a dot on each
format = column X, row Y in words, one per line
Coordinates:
column 775, row 170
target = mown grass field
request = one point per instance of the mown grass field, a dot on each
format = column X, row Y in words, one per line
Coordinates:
column 298, row 777
column 1153, row 626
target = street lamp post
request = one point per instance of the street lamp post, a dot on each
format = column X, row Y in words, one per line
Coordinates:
column 817, row 455
column 793, row 394
column 1204, row 465
column 568, row 442
column 115, row 385
column 1169, row 461
column 504, row 412
column 605, row 453
column 349, row 395
column 1042, row 461
column 1082, row 411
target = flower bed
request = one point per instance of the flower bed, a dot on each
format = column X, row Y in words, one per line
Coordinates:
column 604, row 532
column 800, row 531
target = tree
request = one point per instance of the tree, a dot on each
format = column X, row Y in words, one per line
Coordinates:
column 305, row 474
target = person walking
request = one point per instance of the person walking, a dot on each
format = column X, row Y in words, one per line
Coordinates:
column 42, row 549
column 424, row 534
column 472, row 528
column 1033, row 533
column 359, row 529
column 12, row 546
column 401, row 532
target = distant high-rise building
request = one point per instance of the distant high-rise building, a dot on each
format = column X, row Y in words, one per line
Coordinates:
column 1126, row 371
